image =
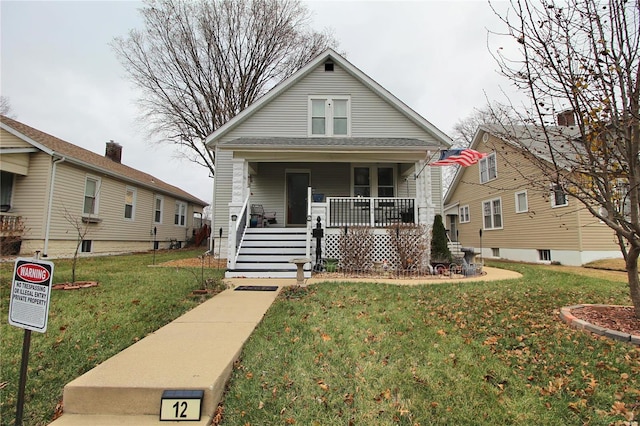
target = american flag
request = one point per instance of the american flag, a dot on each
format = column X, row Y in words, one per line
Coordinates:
column 462, row 157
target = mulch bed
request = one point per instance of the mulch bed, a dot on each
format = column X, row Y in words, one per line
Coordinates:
column 620, row 318
column 75, row 285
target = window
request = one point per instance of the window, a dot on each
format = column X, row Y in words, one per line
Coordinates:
column 558, row 196
column 181, row 214
column 385, row 182
column 495, row 252
column 488, row 168
column 129, row 203
column 544, row 255
column 91, row 188
column 374, row 181
column 6, row 189
column 464, row 214
column 522, row 204
column 492, row 212
column 157, row 213
column 329, row 116
column 85, row 246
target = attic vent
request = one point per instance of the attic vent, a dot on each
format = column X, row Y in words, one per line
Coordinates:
column 328, row 66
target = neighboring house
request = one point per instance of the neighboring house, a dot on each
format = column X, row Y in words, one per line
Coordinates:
column 59, row 191
column 519, row 222
column 328, row 143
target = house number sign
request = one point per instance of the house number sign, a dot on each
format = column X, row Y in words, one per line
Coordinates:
column 181, row 405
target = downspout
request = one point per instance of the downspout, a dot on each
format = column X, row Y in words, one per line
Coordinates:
column 213, row 201
column 49, row 207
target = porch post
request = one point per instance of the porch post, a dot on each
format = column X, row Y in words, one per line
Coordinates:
column 424, row 199
column 239, row 192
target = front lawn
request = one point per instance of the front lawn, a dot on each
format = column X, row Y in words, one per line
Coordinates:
column 468, row 353
column 90, row 325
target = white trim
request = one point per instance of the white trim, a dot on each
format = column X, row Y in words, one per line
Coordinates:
column 133, row 203
column 526, row 200
column 553, row 196
column 156, row 198
column 461, row 215
column 484, row 164
column 328, row 115
column 493, row 225
column 96, row 195
column 182, row 214
column 373, row 177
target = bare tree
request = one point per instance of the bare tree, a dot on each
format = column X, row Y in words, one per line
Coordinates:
column 465, row 129
column 5, row 107
column 199, row 63
column 581, row 58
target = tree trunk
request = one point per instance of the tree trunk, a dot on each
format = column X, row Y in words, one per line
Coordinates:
column 634, row 280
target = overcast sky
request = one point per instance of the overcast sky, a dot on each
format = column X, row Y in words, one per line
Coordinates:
column 62, row 77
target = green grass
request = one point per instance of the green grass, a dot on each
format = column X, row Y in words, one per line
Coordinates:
column 90, row 325
column 469, row 353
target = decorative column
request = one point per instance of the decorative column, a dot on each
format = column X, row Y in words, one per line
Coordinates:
column 239, row 193
column 424, row 194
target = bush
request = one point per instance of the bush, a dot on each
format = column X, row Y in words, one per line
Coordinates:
column 440, row 252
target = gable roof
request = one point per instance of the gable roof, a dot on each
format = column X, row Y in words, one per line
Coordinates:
column 330, row 55
column 529, row 137
column 85, row 158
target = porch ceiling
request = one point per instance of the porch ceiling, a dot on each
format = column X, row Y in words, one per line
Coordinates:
column 330, row 149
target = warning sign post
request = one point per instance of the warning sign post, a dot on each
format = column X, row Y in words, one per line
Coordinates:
column 29, row 309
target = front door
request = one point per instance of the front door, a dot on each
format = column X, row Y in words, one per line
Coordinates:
column 297, row 184
column 453, row 228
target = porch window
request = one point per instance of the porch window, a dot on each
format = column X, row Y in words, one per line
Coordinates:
column 180, row 216
column 385, row 182
column 361, row 182
column 558, row 196
column 464, row 214
column 374, row 181
column 488, row 168
column 91, row 188
column 492, row 211
column 157, row 213
column 129, row 203
column 522, row 204
column 329, row 116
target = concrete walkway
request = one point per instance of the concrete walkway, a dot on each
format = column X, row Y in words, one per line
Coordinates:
column 196, row 351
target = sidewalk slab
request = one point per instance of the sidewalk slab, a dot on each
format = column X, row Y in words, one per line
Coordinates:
column 195, row 351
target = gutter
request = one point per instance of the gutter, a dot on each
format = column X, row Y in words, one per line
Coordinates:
column 49, row 206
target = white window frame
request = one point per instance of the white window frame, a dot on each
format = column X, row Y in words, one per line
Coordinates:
column 180, row 215
column 555, row 188
column 328, row 115
column 526, row 202
column 464, row 215
column 488, row 168
column 155, row 210
column 373, row 178
column 544, row 255
column 492, row 204
column 133, row 203
column 96, row 195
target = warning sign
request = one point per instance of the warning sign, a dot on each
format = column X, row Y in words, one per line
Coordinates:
column 30, row 294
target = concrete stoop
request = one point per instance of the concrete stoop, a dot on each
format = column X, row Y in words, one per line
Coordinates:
column 196, row 351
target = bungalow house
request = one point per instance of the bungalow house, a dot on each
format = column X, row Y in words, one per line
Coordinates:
column 326, row 149
column 52, row 192
column 492, row 207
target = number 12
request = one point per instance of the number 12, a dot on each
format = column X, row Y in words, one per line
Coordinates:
column 184, row 406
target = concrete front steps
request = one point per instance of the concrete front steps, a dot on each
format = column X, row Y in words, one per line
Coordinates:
column 194, row 352
column 267, row 252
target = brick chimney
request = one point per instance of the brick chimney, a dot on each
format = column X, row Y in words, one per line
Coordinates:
column 566, row 118
column 113, row 151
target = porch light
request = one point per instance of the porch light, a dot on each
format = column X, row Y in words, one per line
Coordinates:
column 234, row 217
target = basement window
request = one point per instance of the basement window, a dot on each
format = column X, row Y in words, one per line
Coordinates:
column 85, row 246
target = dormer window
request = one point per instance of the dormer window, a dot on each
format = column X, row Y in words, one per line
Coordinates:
column 329, row 116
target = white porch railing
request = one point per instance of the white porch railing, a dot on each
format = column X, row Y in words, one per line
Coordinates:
column 375, row 212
